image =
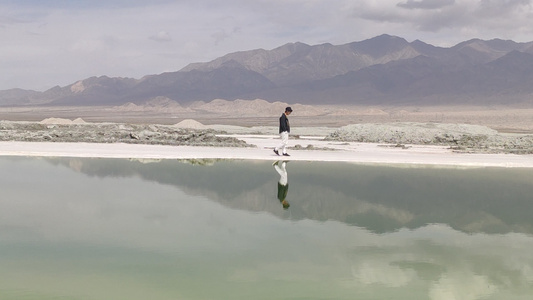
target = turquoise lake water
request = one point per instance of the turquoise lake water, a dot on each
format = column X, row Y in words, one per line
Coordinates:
column 124, row 229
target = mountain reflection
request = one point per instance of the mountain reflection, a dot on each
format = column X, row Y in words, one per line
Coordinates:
column 378, row 198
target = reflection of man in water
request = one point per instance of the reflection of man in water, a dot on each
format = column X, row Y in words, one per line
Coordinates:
column 283, row 183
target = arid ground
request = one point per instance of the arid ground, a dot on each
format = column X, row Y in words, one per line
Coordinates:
column 222, row 123
column 262, row 113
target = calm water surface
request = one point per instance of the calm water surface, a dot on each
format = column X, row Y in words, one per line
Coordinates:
column 121, row 229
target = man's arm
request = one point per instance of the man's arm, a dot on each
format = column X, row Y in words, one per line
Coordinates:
column 283, row 123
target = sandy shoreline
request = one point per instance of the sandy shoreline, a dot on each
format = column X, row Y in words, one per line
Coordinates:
column 192, row 140
column 363, row 153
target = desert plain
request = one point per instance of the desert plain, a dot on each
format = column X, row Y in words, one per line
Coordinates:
column 471, row 136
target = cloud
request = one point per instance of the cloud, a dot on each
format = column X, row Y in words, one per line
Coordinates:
column 426, row 4
column 501, row 8
column 219, row 36
column 472, row 17
column 161, row 36
column 96, row 45
column 8, row 20
column 166, row 35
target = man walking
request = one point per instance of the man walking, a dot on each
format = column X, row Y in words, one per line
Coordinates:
column 284, row 130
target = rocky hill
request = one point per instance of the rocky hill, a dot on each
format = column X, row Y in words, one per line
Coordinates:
column 384, row 70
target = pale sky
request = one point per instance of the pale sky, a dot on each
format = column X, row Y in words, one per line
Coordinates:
column 57, row 42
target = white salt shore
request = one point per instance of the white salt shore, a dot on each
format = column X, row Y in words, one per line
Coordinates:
column 362, row 153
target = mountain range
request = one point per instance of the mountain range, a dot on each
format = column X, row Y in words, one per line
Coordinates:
column 384, row 70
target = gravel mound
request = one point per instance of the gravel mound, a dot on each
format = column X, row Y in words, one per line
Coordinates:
column 62, row 121
column 191, row 124
column 55, row 130
column 461, row 137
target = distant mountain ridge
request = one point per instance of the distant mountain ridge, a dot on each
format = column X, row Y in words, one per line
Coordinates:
column 384, row 70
